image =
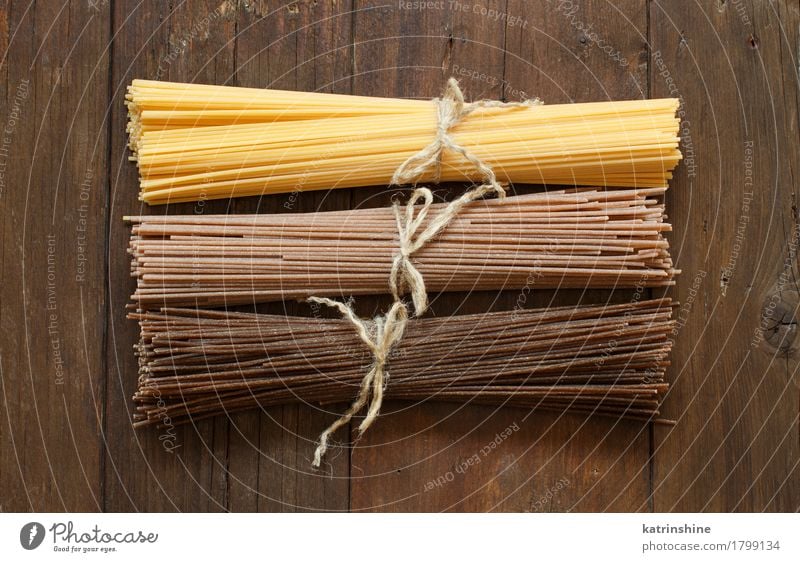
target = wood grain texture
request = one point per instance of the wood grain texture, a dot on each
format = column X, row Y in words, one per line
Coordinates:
column 735, row 447
column 70, row 446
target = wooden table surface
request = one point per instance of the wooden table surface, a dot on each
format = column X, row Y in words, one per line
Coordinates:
column 68, row 369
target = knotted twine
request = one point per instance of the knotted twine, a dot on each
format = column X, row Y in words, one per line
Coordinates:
column 384, row 332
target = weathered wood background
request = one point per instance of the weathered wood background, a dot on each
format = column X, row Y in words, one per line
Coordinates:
column 66, row 360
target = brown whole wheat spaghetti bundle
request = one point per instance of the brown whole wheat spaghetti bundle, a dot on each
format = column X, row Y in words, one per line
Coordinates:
column 574, row 238
column 194, row 141
column 596, row 359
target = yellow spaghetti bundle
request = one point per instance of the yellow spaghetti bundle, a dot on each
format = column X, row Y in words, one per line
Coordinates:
column 194, row 141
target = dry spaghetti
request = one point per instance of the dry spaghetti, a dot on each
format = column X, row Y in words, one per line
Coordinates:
column 595, row 359
column 193, row 141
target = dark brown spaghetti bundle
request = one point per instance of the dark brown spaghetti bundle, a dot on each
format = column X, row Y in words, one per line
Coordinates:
column 606, row 360
column 567, row 238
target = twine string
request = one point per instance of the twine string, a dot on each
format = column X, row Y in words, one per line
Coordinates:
column 387, row 331
column 384, row 332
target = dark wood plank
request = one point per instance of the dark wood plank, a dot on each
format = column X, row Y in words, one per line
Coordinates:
column 184, row 468
column 53, row 203
column 302, row 46
column 431, row 457
column 735, row 447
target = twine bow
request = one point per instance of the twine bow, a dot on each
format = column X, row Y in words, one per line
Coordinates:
column 386, row 331
column 450, row 110
column 404, row 276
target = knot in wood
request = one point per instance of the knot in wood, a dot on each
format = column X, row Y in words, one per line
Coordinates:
column 779, row 320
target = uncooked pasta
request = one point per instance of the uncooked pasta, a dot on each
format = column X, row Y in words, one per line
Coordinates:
column 607, row 360
column 192, row 141
column 563, row 238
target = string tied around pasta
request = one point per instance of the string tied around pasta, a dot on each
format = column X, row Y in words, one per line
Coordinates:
column 387, row 330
